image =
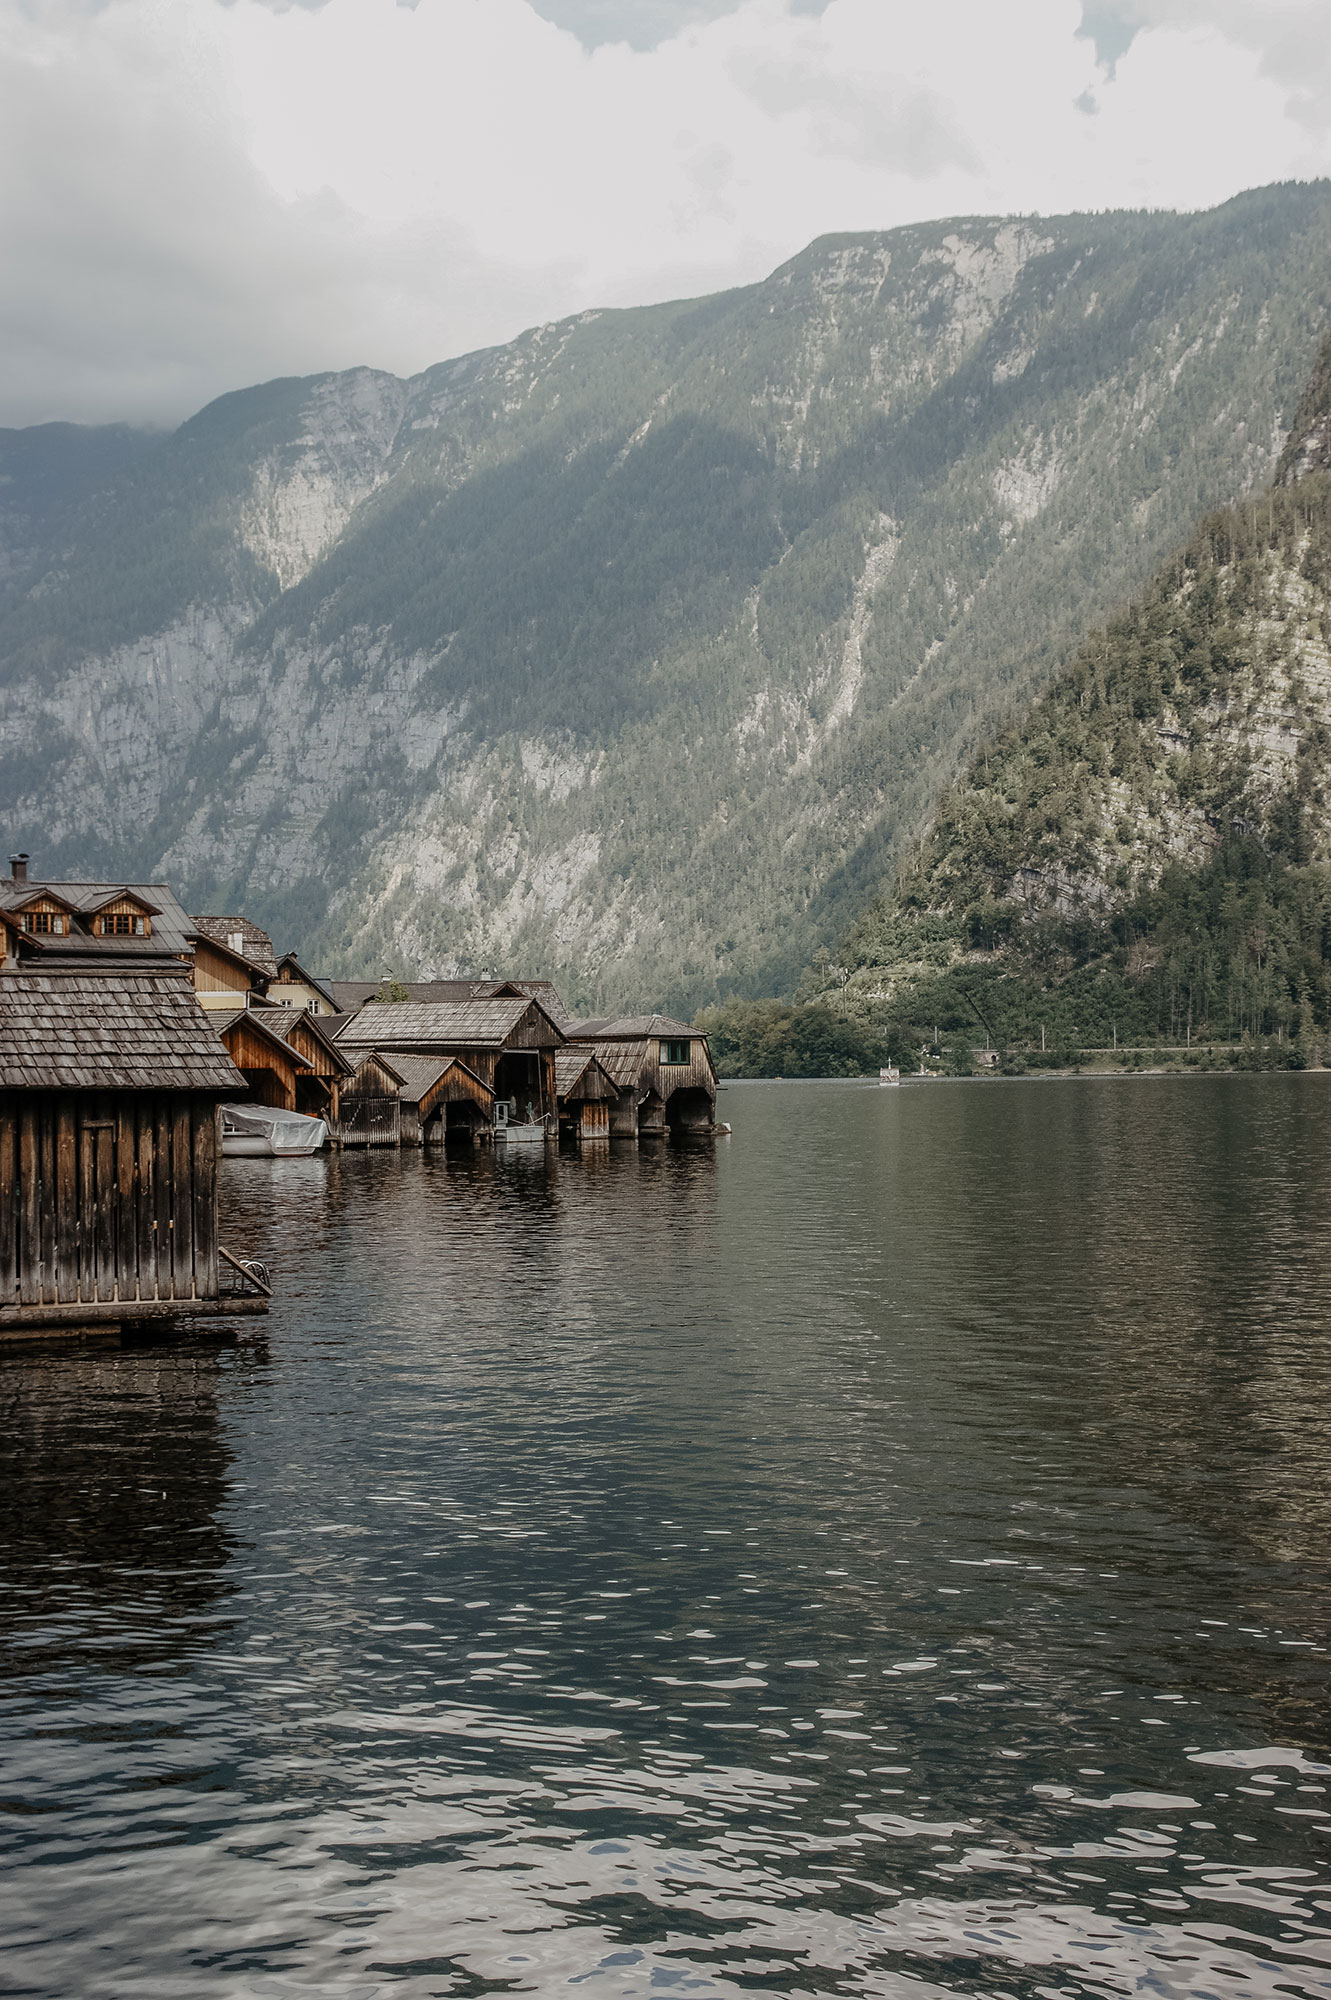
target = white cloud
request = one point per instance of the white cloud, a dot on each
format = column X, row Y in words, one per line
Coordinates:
column 193, row 195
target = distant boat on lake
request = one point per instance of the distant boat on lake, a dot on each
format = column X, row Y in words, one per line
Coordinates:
column 889, row 1077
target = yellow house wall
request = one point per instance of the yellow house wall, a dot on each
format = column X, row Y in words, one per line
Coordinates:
column 298, row 993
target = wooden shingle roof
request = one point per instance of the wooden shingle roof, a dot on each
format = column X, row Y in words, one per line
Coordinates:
column 421, row 1073
column 449, row 1024
column 624, row 1062
column 109, row 1031
column 255, row 944
column 582, row 1070
column 349, row 994
column 630, row 1028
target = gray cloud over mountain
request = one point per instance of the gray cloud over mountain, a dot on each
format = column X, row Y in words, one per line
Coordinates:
column 194, row 195
column 643, row 24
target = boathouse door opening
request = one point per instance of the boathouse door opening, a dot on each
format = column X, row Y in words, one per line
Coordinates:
column 518, row 1077
column 689, row 1110
column 460, row 1124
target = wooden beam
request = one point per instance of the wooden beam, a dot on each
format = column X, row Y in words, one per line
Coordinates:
column 14, row 1320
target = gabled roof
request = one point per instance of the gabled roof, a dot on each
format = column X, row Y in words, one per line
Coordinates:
column 256, row 945
column 348, row 994
column 543, row 990
column 455, row 1024
column 225, row 1019
column 122, row 895
column 420, row 1074
column 359, row 1058
column 631, row 1027
column 283, row 1022
column 324, row 986
column 43, row 894
column 572, row 1065
column 624, row 1062
column 626, row 1058
column 109, row 1031
column 173, row 931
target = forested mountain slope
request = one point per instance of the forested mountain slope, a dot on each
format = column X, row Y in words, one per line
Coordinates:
column 1147, row 854
column 634, row 651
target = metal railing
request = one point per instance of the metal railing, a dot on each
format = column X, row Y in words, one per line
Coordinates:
column 251, row 1276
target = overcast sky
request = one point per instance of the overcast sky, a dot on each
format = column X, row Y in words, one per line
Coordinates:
column 197, row 195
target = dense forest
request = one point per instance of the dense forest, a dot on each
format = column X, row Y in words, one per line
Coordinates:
column 1143, row 862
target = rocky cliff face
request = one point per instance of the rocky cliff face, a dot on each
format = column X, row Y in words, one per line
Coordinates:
column 634, row 651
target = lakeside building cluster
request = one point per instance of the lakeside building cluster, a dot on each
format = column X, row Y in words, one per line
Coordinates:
column 126, row 1024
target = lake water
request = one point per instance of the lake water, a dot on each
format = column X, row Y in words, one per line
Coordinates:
column 887, row 1552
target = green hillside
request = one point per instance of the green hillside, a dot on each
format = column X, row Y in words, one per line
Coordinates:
column 637, row 651
column 1145, row 859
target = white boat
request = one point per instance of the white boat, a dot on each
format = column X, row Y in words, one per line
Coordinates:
column 528, row 1132
column 889, row 1077
column 256, row 1131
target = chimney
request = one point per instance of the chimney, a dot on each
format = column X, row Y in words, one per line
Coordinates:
column 18, row 867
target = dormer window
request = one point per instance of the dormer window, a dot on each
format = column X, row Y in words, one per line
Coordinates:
column 45, row 923
column 122, row 916
column 675, row 1053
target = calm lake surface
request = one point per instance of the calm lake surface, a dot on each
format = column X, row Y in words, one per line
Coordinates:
column 886, row 1552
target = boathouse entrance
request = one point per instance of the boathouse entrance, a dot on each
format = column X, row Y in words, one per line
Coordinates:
column 518, row 1076
column 689, row 1110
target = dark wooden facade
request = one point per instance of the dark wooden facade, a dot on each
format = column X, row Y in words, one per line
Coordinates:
column 109, row 1087
column 662, row 1070
column 586, row 1094
column 318, row 1085
column 268, row 1067
column 371, row 1102
column 107, row 1198
column 507, row 1043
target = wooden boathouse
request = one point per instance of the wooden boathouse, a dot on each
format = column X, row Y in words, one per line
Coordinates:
column 412, row 1100
column 442, row 1098
column 507, row 1045
column 586, row 1093
column 270, row 1069
column 662, row 1071
column 109, row 1088
column 372, row 1101
column 287, row 1059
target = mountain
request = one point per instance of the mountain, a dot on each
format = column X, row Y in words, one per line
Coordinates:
column 636, row 651
column 45, row 471
column 1146, row 854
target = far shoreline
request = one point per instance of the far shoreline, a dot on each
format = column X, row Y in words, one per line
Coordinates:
column 1033, row 1076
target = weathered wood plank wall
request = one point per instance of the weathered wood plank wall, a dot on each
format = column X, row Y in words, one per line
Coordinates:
column 371, row 1121
column 107, row 1198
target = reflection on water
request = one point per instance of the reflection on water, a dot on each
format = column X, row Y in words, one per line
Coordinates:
column 885, row 1554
